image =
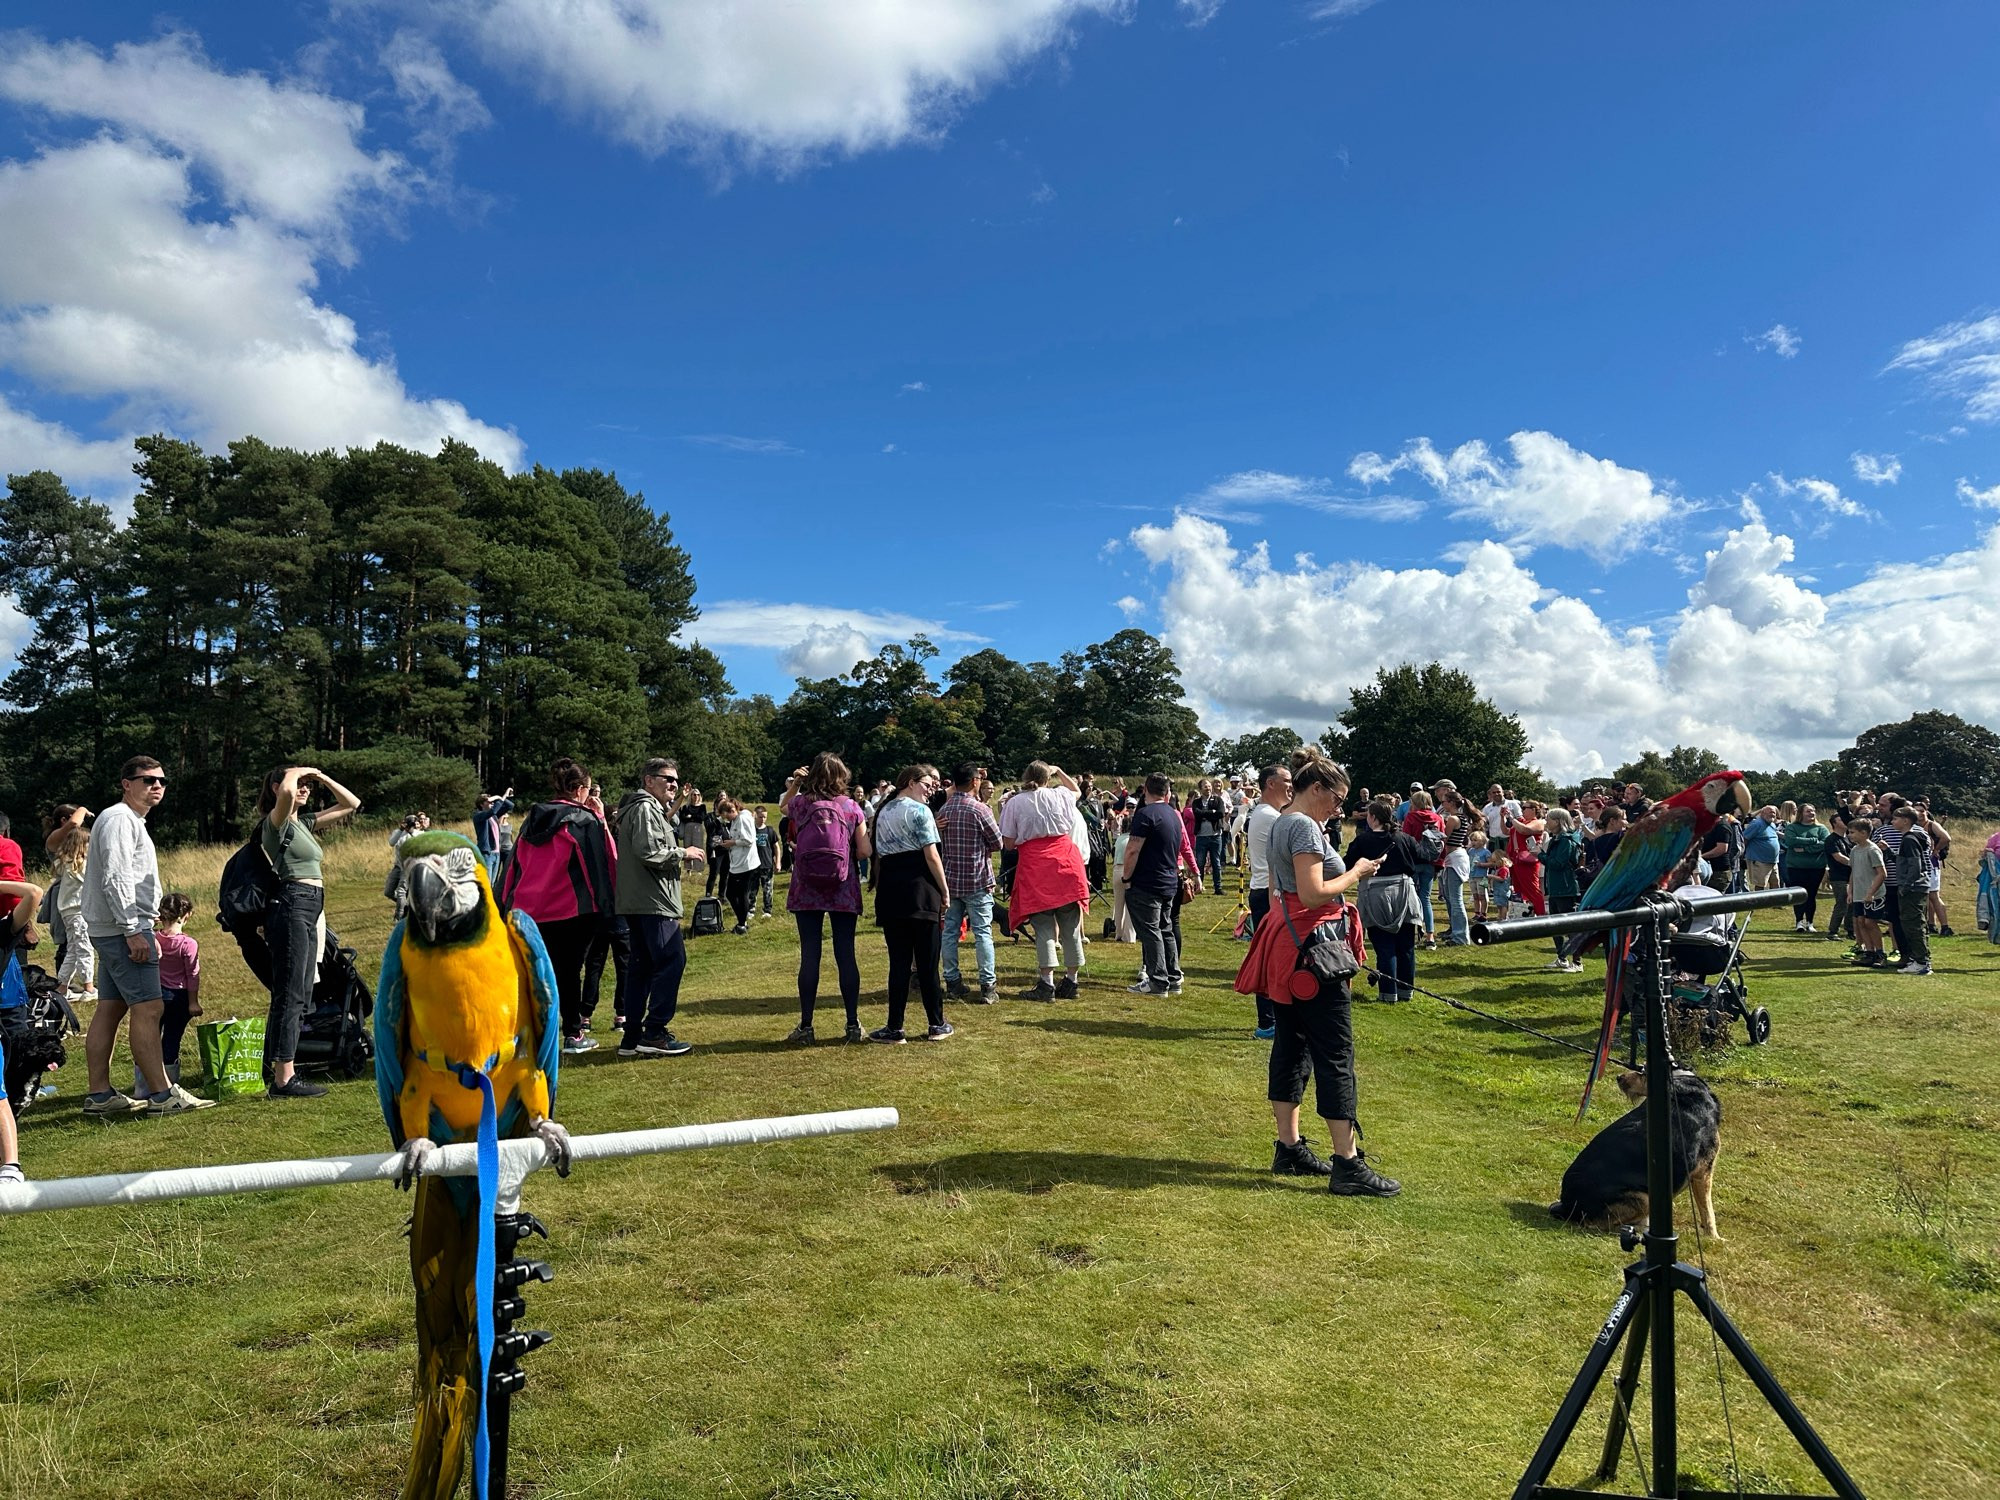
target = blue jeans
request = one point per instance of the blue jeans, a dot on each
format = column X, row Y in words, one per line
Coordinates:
column 1454, row 908
column 492, row 863
column 1208, row 855
column 659, row 955
column 1425, row 875
column 1395, row 958
column 976, row 911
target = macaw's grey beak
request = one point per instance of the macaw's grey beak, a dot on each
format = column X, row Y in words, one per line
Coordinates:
column 437, row 900
column 1743, row 802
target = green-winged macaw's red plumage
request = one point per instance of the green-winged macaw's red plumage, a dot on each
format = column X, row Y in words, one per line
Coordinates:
column 461, row 985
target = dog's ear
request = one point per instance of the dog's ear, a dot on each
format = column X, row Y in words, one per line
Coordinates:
column 1632, row 1084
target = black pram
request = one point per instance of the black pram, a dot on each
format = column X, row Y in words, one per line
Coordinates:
column 334, row 1036
column 1709, row 986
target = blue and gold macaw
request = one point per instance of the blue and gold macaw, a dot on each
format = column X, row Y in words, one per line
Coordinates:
column 464, row 993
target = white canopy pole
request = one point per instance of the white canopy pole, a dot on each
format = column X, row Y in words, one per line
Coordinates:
column 517, row 1160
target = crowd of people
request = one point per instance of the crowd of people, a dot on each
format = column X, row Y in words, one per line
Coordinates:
column 945, row 859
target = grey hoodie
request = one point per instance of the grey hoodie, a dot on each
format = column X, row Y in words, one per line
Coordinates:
column 649, row 859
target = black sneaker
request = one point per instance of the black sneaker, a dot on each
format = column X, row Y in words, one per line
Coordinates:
column 295, row 1088
column 954, row 989
column 802, row 1034
column 855, row 1033
column 1043, row 990
column 1065, row 989
column 888, row 1036
column 660, row 1044
column 1298, row 1160
column 1352, row 1177
column 940, row 1031
column 986, row 996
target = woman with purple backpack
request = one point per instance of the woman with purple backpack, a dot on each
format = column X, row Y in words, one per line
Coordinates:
column 562, row 876
column 829, row 843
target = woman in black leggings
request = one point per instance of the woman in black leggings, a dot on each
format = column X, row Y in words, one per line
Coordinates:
column 829, row 842
column 910, row 895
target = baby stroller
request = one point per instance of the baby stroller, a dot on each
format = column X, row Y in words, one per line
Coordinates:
column 1709, row 988
column 334, row 1036
column 33, row 1022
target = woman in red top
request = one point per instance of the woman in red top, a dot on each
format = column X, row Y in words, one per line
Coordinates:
column 1525, row 836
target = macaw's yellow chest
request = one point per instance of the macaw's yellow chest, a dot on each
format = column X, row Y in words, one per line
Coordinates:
column 464, row 1006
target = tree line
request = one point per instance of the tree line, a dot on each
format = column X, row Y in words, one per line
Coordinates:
column 425, row 626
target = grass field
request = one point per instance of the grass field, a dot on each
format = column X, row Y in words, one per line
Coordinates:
column 1067, row 1275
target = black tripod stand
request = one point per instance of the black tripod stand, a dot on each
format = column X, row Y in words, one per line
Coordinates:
column 1643, row 1315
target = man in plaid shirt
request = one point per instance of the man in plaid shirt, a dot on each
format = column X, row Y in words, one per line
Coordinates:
column 969, row 838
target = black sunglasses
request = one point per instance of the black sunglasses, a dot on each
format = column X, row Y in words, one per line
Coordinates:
column 151, row 780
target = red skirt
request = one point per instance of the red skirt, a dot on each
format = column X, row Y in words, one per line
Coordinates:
column 1267, row 967
column 1047, row 877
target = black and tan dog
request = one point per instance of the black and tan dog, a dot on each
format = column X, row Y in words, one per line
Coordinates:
column 1605, row 1187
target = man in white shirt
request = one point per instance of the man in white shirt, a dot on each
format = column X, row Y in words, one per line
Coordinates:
column 1275, row 790
column 1500, row 809
column 121, row 899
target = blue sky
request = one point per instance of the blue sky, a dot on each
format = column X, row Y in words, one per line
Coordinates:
column 1643, row 362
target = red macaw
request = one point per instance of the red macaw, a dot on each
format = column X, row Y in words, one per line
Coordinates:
column 1648, row 853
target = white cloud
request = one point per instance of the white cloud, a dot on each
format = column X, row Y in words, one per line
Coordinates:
column 121, row 287
column 1338, row 10
column 814, row 640
column 1960, row 360
column 284, row 153
column 772, row 80
column 915, row 387
column 1228, row 498
column 1131, row 607
column 738, row 444
column 1821, row 492
column 1590, row 695
column 1876, row 468
column 88, row 465
column 1201, row 12
column 1780, row 340
column 1550, row 495
column 1972, row 495
column 440, row 105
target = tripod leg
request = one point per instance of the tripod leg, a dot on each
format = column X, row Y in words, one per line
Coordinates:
column 1623, row 1311
column 1773, row 1393
column 1623, row 1389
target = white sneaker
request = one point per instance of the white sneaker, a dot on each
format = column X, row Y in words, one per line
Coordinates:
column 1556, row 966
column 1917, row 969
column 117, row 1104
column 1572, row 967
column 175, row 1101
column 1809, row 927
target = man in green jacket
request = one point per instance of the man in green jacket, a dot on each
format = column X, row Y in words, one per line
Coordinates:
column 648, row 896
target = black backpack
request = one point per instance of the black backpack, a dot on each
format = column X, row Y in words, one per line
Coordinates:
column 249, row 884
column 707, row 917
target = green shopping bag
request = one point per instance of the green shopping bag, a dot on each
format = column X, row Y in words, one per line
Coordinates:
column 232, row 1057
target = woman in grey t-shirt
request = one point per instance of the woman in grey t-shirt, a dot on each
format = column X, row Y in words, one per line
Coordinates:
column 1315, row 1034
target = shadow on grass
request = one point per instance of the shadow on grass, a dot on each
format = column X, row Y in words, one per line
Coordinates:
column 1138, row 1031
column 1044, row 1171
column 1536, row 1216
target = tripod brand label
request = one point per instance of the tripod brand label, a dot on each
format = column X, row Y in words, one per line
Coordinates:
column 1610, row 1329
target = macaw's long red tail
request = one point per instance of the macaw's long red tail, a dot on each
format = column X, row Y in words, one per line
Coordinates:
column 443, row 1244
column 1617, row 946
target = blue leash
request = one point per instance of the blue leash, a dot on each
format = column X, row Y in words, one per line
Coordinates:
column 483, row 1265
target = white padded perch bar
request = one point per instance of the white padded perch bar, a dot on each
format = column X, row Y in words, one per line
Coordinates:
column 517, row 1160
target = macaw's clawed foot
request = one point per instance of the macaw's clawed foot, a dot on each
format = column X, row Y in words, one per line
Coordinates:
column 416, row 1153
column 556, row 1139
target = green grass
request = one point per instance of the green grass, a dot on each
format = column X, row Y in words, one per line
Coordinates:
column 1066, row 1276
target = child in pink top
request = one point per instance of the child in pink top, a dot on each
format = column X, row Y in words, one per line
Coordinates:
column 180, row 978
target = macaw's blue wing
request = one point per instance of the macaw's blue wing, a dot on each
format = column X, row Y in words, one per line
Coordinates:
column 546, row 1021
column 391, row 1003
column 1647, row 853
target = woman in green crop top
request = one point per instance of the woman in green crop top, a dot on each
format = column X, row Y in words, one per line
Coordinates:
column 296, row 926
